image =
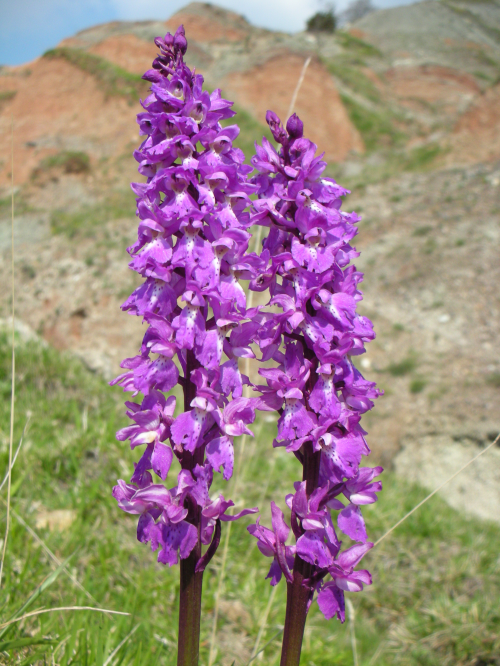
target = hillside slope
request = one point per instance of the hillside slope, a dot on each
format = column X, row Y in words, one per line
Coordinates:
column 398, row 79
column 415, row 133
column 442, row 64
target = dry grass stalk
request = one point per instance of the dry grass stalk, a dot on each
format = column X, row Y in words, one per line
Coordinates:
column 6, row 477
column 263, row 623
column 121, row 644
column 13, row 380
column 61, row 608
column 437, row 490
column 297, row 88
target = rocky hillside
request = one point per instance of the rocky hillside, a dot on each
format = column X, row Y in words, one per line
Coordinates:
column 406, row 105
column 420, row 76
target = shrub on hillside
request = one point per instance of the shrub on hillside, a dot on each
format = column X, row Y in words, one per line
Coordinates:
column 322, row 22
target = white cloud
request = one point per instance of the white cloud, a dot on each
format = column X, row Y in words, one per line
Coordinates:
column 29, row 27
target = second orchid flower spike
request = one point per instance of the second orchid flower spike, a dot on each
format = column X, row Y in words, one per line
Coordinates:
column 314, row 338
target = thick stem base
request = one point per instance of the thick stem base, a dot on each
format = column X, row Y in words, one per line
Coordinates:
column 297, row 597
column 189, row 611
column 188, row 644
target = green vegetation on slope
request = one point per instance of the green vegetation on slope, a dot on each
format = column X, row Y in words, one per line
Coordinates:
column 7, row 95
column 70, row 161
column 250, row 131
column 354, row 78
column 112, row 79
column 84, row 222
column 436, row 579
column 357, row 47
column 376, row 127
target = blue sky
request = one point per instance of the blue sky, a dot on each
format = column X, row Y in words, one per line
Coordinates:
column 30, row 27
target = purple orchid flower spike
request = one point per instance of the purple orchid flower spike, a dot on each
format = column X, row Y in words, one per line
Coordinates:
column 191, row 249
column 315, row 386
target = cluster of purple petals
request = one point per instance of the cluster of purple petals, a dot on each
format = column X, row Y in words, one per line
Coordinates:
column 316, row 388
column 191, row 250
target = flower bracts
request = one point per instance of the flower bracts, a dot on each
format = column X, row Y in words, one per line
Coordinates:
column 192, row 243
column 315, row 386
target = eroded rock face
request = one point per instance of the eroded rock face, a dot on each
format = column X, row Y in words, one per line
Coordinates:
column 425, row 71
column 58, row 107
column 271, row 86
column 127, row 51
column 476, row 134
column 75, row 112
column 449, row 89
column 206, row 23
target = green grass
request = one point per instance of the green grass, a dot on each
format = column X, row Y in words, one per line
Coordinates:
column 354, row 79
column 423, row 158
column 402, row 368
column 84, row 222
column 7, row 95
column 112, row 79
column 69, row 161
column 422, row 231
column 5, row 206
column 436, row 579
column 21, row 205
column 417, row 385
column 493, row 379
column 251, row 130
column 357, row 46
column 375, row 127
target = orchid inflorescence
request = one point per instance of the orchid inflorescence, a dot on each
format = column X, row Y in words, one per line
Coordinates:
column 316, row 388
column 194, row 213
column 191, row 246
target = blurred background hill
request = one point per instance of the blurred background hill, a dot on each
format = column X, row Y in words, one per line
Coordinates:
column 405, row 102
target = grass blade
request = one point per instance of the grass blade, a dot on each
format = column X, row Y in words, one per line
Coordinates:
column 55, row 559
column 278, row 633
column 25, row 642
column 41, row 611
column 263, row 623
column 436, row 490
column 121, row 644
column 34, row 596
column 6, row 477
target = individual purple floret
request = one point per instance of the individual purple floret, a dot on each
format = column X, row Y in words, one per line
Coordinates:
column 317, row 390
column 192, row 238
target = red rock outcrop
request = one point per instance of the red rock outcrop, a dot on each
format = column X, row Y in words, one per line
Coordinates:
column 271, row 86
column 59, row 107
column 128, row 51
column 476, row 136
column 426, row 85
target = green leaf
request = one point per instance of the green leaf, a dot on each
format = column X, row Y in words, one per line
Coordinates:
column 25, row 642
